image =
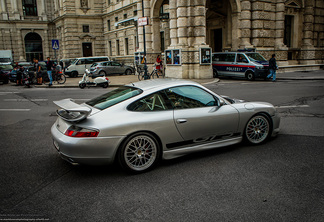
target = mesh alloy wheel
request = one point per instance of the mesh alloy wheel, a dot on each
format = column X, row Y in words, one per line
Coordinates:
column 257, row 129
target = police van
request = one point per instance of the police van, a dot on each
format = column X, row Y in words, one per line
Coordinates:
column 249, row 65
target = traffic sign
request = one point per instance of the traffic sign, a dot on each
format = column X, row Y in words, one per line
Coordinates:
column 142, row 21
column 55, row 44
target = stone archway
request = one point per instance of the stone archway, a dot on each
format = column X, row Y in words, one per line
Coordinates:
column 33, row 46
column 221, row 24
column 160, row 25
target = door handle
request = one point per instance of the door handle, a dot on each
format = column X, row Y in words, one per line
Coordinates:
column 181, row 120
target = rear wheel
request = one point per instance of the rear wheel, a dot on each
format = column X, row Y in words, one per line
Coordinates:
column 257, row 129
column 128, row 72
column 250, row 76
column 215, row 73
column 140, row 76
column 82, row 85
column 74, row 74
column 105, row 85
column 61, row 78
column 139, row 153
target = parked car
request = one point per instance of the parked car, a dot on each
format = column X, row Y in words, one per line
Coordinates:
column 140, row 123
column 5, row 70
column 249, row 65
column 79, row 65
column 109, row 68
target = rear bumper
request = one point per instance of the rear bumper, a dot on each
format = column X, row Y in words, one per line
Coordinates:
column 92, row 151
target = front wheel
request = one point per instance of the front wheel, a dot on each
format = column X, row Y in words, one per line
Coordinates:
column 82, row 85
column 61, row 78
column 140, row 76
column 215, row 73
column 139, row 153
column 250, row 76
column 257, row 129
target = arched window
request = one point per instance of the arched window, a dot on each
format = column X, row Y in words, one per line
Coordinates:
column 29, row 7
column 33, row 46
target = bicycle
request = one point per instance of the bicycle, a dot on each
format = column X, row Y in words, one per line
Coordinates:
column 58, row 77
column 152, row 75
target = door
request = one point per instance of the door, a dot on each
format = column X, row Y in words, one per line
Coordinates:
column 218, row 40
column 87, row 49
column 197, row 114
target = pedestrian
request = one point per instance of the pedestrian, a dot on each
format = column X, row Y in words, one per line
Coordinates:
column 272, row 67
column 20, row 71
column 158, row 65
column 38, row 73
column 49, row 67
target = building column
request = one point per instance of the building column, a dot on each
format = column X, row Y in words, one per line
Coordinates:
column 173, row 22
column 15, row 11
column 21, row 46
column 245, row 24
column 156, row 40
column 182, row 22
column 43, row 11
column 3, row 10
column 308, row 51
column 280, row 25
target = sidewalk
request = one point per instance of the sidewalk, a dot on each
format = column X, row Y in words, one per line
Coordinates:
column 117, row 80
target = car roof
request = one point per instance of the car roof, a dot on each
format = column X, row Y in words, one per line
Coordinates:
column 158, row 84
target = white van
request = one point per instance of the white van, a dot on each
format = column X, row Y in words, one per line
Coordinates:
column 79, row 65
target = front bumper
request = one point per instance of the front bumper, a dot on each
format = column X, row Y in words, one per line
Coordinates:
column 276, row 125
column 261, row 73
column 92, row 151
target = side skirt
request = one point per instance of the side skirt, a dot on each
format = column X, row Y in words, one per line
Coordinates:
column 170, row 154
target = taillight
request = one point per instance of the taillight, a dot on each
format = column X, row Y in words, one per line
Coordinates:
column 75, row 131
column 107, row 79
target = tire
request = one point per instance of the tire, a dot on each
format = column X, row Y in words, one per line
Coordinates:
column 128, row 72
column 257, row 129
column 74, row 74
column 82, row 85
column 102, row 73
column 105, row 85
column 61, row 79
column 139, row 153
column 155, row 74
column 215, row 73
column 140, row 76
column 250, row 76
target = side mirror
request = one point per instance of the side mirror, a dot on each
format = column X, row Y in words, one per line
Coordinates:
column 221, row 102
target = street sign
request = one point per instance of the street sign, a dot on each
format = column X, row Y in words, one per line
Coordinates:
column 55, row 44
column 142, row 21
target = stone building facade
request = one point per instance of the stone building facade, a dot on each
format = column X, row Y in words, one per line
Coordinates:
column 293, row 29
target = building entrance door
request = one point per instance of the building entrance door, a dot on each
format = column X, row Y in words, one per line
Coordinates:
column 87, row 49
column 218, row 40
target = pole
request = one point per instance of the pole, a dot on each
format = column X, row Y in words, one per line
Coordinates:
column 146, row 76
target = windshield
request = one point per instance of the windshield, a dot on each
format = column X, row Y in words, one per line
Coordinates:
column 6, row 67
column 256, row 57
column 5, row 60
column 74, row 61
column 94, row 64
column 116, row 96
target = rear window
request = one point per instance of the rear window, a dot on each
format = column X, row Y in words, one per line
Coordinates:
column 224, row 57
column 116, row 96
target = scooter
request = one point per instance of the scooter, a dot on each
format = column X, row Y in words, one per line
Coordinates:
column 28, row 79
column 98, row 80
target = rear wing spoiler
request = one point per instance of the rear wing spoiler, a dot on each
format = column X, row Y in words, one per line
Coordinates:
column 71, row 111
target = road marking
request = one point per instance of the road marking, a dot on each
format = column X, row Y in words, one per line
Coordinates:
column 293, row 106
column 5, row 93
column 14, row 110
column 25, row 100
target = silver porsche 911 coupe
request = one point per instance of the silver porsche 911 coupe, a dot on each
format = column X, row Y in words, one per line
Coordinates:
column 141, row 123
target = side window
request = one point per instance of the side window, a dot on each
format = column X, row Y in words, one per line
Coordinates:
column 241, row 58
column 153, row 102
column 187, row 97
column 230, row 58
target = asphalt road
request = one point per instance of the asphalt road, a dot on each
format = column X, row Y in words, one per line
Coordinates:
column 281, row 180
